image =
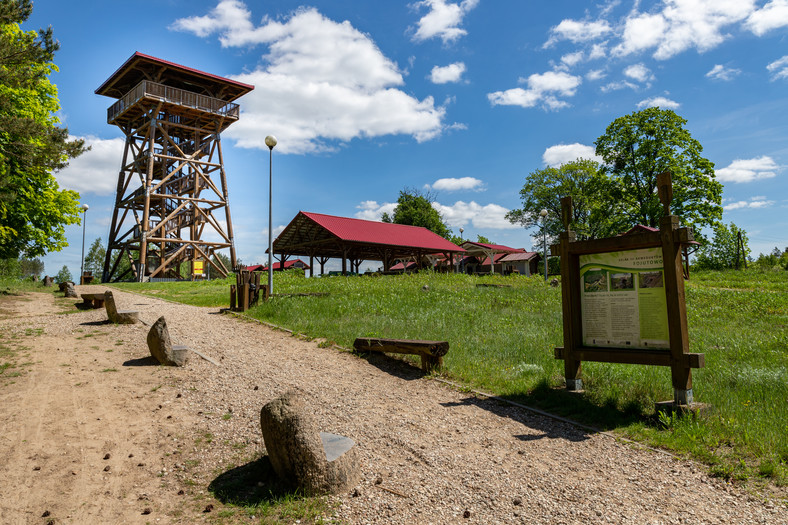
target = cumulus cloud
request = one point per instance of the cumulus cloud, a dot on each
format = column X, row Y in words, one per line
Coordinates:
column 773, row 15
column 313, row 59
column 541, row 88
column 681, row 25
column 372, row 211
column 461, row 213
column 572, row 59
column 443, row 20
column 619, row 85
column 596, row 74
column 457, row 184
column 578, row 31
column 658, row 102
column 96, row 171
column 779, row 68
column 446, row 74
column 720, row 72
column 753, row 203
column 639, row 72
column 563, row 153
column 748, row 170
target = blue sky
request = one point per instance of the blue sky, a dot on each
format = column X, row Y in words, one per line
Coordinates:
column 463, row 98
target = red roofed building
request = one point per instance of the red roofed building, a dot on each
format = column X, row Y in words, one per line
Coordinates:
column 505, row 259
column 354, row 240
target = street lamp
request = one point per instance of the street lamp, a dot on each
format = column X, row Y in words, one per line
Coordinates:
column 85, row 208
column 543, row 214
column 270, row 141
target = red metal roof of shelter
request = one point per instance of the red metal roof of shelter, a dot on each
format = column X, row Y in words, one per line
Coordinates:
column 141, row 67
column 318, row 235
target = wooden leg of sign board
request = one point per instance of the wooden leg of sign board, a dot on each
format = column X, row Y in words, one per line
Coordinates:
column 232, row 297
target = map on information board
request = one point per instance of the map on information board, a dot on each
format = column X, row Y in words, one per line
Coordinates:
column 622, row 299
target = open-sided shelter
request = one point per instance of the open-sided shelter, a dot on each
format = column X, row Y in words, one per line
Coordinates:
column 487, row 258
column 324, row 237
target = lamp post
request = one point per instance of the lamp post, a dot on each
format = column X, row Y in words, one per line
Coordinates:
column 270, row 141
column 543, row 214
column 85, row 208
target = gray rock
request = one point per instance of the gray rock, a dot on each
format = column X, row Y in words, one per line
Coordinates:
column 70, row 291
column 302, row 456
column 554, row 283
column 162, row 348
column 118, row 316
column 48, row 280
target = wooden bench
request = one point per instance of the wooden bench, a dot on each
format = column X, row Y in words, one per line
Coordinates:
column 94, row 300
column 431, row 352
column 119, row 316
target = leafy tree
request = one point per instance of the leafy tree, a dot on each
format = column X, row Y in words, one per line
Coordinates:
column 483, row 240
column 31, row 267
column 33, row 209
column 724, row 251
column 63, row 275
column 9, row 269
column 414, row 208
column 777, row 260
column 94, row 260
column 594, row 213
column 638, row 147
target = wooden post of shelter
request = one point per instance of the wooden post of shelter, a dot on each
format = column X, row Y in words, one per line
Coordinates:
column 621, row 281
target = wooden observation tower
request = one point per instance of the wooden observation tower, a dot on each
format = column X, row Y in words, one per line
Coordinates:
column 169, row 204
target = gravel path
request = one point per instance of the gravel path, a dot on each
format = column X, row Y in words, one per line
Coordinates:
column 430, row 453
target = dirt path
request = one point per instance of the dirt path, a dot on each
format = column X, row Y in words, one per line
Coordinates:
column 94, row 433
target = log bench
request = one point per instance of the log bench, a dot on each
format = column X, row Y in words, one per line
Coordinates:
column 94, row 300
column 119, row 316
column 431, row 352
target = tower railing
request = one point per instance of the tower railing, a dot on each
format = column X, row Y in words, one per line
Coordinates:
column 171, row 95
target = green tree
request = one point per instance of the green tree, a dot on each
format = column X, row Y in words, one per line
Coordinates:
column 63, row 275
column 94, row 260
column 219, row 256
column 9, row 269
column 31, row 267
column 638, row 147
column 414, row 208
column 724, row 251
column 33, row 209
column 594, row 213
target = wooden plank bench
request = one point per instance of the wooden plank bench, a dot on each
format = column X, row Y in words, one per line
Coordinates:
column 95, row 300
column 431, row 352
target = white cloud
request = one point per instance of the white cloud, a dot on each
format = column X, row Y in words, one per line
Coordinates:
column 682, row 25
column 748, row 170
column 372, row 211
column 454, row 184
column 596, row 74
column 720, row 72
column 779, row 68
column 753, row 203
column 572, row 59
column 563, row 153
column 639, row 72
column 577, row 31
column 541, row 89
column 446, row 74
column 658, row 102
column 771, row 16
column 598, row 51
column 443, row 20
column 616, row 86
column 95, row 171
column 461, row 213
column 313, row 59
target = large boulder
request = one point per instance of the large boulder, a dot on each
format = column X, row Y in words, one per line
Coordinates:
column 302, row 456
column 162, row 348
column 48, row 281
column 70, row 291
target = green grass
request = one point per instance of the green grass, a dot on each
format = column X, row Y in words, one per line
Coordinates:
column 502, row 341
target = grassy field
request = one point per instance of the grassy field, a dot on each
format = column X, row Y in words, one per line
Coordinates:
column 502, row 342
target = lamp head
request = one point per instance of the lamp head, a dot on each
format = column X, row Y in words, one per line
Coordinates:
column 85, row 207
column 543, row 213
column 270, row 141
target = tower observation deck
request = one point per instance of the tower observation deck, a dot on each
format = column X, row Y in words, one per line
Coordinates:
column 172, row 187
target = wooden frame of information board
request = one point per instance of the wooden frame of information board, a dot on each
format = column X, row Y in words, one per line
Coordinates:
column 670, row 238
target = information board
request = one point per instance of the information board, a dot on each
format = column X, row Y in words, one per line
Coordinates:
column 622, row 299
